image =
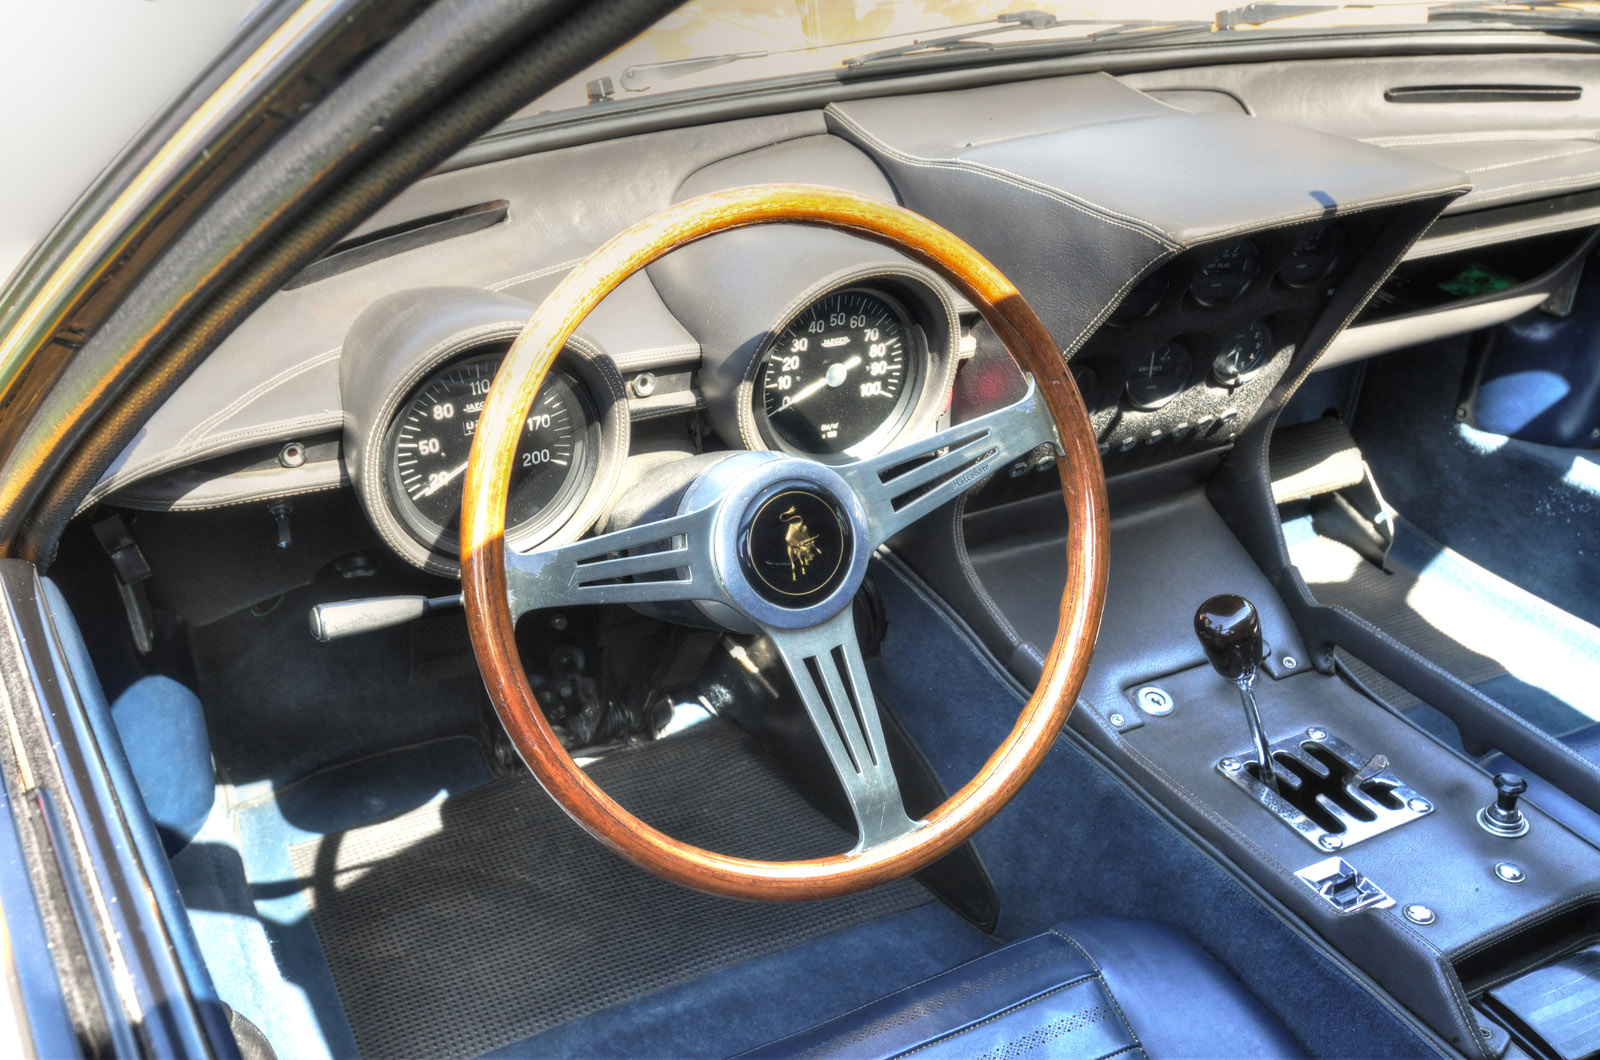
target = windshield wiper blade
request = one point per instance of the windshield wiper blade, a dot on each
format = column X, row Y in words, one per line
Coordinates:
column 1534, row 14
column 1006, row 23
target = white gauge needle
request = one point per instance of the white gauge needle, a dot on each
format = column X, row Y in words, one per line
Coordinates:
column 829, row 378
column 442, row 481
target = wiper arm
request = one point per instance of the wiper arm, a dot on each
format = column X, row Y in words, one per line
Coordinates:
column 1542, row 14
column 1534, row 14
column 1005, row 24
column 1259, row 14
column 1029, row 20
column 641, row 77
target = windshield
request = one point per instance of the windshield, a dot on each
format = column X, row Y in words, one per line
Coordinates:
column 723, row 42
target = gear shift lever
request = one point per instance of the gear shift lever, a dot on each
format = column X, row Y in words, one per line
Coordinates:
column 1230, row 632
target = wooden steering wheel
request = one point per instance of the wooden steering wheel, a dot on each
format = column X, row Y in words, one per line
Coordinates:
column 739, row 511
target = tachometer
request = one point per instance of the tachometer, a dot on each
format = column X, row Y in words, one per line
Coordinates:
column 432, row 434
column 838, row 373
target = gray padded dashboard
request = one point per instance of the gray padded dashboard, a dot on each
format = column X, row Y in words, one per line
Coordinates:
column 1075, row 186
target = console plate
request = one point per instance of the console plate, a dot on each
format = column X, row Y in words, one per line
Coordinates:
column 1320, row 770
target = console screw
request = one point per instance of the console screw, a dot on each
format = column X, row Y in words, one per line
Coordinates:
column 1330, row 842
column 1230, row 764
column 1117, row 721
column 1317, row 734
column 1509, row 872
column 292, row 455
column 1290, row 662
column 1420, row 914
column 1419, row 805
column 644, row 384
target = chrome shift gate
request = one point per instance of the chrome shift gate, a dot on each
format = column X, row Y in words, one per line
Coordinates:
column 1326, row 791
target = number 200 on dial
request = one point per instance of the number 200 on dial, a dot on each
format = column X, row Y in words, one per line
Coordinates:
column 432, row 436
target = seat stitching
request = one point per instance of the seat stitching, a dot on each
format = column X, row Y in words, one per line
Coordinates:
column 1013, row 1008
column 1107, row 986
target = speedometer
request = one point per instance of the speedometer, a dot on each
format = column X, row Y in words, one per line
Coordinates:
column 432, row 433
column 838, row 373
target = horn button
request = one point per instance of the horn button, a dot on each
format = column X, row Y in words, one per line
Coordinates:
column 796, row 548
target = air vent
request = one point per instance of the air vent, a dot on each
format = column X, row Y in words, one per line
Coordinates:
column 1484, row 94
column 386, row 242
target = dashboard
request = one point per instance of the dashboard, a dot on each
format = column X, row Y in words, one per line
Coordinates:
column 1191, row 265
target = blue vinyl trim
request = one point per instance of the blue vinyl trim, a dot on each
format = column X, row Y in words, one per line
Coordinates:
column 179, row 1016
column 49, row 1024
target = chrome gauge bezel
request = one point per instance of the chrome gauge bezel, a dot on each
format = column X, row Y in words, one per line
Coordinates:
column 932, row 346
column 597, row 383
column 530, row 531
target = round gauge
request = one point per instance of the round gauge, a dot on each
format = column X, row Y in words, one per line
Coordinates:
column 1242, row 355
column 1227, row 276
column 1142, row 300
column 838, row 373
column 1160, row 377
column 1314, row 257
column 432, row 432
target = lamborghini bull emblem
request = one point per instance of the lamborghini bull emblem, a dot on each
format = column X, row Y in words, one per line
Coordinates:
column 800, row 541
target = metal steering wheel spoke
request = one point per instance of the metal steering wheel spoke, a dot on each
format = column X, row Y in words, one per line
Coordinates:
column 654, row 562
column 903, row 485
column 825, row 663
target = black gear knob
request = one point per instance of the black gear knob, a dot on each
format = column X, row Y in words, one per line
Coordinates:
column 1230, row 632
column 1504, row 817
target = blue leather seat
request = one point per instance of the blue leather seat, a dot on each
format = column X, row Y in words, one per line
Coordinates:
column 1087, row 989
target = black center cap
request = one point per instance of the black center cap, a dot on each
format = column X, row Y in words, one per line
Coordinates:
column 795, row 548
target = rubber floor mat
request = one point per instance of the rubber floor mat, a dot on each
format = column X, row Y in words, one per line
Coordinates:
column 489, row 916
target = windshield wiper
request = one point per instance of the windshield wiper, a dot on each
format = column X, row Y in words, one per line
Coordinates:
column 1025, row 20
column 1540, row 14
column 1533, row 14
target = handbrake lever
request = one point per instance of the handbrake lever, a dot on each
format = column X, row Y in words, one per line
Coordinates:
column 345, row 618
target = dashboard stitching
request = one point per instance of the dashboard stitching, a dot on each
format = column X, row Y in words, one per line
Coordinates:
column 564, row 266
column 215, row 445
column 1583, row 150
column 1425, row 139
column 1005, row 176
column 249, row 396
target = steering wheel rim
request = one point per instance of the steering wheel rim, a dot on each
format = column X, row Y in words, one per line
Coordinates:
column 487, row 591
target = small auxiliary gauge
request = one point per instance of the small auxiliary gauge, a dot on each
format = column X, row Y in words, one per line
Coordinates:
column 1243, row 354
column 1227, row 276
column 1159, row 377
column 1314, row 257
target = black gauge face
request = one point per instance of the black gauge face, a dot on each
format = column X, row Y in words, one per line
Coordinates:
column 1160, row 377
column 1243, row 355
column 1226, row 277
column 838, row 373
column 1314, row 257
column 1142, row 300
column 432, row 434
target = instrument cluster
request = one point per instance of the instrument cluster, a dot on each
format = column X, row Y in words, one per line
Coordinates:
column 1194, row 347
column 860, row 365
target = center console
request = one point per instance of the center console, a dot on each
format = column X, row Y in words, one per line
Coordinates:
column 1454, row 889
